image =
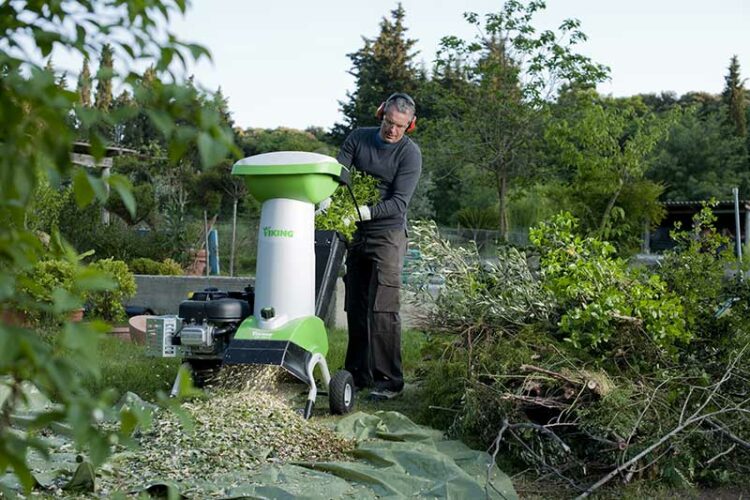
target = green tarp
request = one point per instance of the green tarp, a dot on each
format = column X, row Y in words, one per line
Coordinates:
column 394, row 458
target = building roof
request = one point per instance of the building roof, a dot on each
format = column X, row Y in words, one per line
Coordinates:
column 84, row 148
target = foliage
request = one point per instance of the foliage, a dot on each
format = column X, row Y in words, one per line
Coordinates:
column 144, row 265
column 145, row 203
column 597, row 295
column 603, row 148
column 36, row 144
column 701, row 158
column 46, row 207
column 45, row 281
column 342, row 214
column 479, row 297
column 628, row 395
column 477, row 218
column 696, row 268
column 258, row 141
column 508, row 73
column 84, row 230
column 735, row 99
column 109, row 304
column 563, row 407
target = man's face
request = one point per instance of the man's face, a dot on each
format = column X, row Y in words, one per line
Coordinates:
column 394, row 125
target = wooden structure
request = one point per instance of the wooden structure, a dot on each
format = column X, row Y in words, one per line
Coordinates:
column 81, row 155
column 658, row 240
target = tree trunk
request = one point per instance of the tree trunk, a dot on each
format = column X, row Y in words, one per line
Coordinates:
column 610, row 204
column 234, row 238
column 502, row 191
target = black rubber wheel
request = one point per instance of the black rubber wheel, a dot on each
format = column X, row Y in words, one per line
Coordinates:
column 341, row 393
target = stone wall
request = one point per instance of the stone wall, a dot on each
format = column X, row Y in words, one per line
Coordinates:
column 163, row 294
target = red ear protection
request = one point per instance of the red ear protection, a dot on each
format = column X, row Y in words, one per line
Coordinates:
column 381, row 110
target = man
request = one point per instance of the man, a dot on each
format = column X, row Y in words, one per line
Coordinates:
column 376, row 255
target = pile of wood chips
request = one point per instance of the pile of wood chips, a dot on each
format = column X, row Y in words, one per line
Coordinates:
column 243, row 423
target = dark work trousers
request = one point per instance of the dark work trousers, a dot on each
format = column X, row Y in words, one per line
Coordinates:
column 373, row 285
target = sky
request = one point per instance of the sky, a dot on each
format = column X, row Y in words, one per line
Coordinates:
column 284, row 62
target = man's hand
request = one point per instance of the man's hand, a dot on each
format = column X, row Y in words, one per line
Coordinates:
column 363, row 211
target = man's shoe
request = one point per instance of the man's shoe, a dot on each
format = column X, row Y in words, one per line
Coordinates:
column 384, row 394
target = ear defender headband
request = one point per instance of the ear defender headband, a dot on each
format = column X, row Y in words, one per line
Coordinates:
column 381, row 109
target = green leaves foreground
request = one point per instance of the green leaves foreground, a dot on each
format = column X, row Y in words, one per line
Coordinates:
column 39, row 121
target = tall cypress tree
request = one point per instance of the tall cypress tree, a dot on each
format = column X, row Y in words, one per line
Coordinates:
column 384, row 65
column 104, row 79
column 734, row 98
column 84, row 85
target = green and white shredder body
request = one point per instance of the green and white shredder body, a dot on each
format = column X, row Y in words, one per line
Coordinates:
column 284, row 329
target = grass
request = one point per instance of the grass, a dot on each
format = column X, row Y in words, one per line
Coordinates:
column 125, row 367
column 411, row 356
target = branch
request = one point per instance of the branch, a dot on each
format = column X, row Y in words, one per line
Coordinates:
column 546, row 402
column 729, row 450
column 695, row 418
column 532, row 368
column 728, row 433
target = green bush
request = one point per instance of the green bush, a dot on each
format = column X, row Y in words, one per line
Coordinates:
column 84, row 230
column 108, row 304
column 144, row 265
column 598, row 295
column 42, row 284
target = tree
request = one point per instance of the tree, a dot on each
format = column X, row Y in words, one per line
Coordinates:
column 602, row 149
column 734, row 98
column 84, row 85
column 512, row 71
column 701, row 158
column 103, row 99
column 383, row 66
column 35, row 148
column 257, row 141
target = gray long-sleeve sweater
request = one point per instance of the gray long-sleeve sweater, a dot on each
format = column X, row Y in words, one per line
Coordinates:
column 396, row 166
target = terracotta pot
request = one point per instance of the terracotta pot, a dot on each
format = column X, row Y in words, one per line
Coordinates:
column 137, row 325
column 14, row 317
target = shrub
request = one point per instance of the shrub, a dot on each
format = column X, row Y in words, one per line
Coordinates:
column 45, row 281
column 167, row 267
column 108, row 304
column 598, row 296
column 611, row 375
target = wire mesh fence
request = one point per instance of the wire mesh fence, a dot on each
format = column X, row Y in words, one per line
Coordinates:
column 246, row 240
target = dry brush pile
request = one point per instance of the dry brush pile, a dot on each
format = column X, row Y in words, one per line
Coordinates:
column 587, row 370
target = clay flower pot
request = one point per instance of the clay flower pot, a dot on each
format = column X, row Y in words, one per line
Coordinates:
column 137, row 326
column 13, row 317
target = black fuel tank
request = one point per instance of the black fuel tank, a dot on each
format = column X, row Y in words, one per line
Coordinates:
column 216, row 311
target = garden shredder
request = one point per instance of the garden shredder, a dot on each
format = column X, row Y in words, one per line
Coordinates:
column 279, row 321
column 283, row 329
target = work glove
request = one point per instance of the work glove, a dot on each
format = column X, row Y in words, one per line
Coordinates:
column 323, row 206
column 364, row 212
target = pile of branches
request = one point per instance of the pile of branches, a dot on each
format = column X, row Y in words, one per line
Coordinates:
column 507, row 365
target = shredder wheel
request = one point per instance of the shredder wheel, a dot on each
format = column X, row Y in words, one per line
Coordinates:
column 341, row 393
